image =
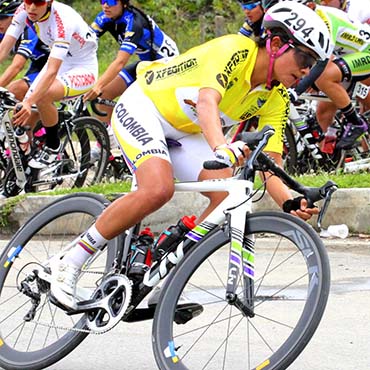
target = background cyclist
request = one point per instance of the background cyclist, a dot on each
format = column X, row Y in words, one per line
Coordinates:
column 188, row 99
column 71, row 69
column 136, row 33
column 351, row 40
column 254, row 12
column 28, row 47
column 350, row 64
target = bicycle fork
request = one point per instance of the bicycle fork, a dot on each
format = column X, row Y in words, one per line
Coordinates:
column 241, row 264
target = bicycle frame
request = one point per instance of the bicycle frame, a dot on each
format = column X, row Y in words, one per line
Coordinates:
column 15, row 153
column 230, row 215
column 232, row 212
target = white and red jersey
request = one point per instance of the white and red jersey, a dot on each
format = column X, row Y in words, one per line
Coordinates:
column 66, row 33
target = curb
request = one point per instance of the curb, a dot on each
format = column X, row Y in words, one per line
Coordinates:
column 348, row 206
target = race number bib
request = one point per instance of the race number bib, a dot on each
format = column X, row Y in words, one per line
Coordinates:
column 360, row 91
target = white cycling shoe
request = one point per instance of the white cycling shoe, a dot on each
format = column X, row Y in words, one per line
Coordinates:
column 63, row 282
column 45, row 157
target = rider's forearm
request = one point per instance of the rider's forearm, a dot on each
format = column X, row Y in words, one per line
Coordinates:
column 113, row 70
column 278, row 191
column 11, row 72
column 6, row 46
column 209, row 117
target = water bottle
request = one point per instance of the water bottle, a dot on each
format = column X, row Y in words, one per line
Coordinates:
column 330, row 140
column 172, row 236
column 141, row 255
column 23, row 140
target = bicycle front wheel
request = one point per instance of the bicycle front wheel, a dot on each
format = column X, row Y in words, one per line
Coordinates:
column 51, row 334
column 290, row 292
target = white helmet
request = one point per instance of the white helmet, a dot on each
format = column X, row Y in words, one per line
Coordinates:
column 302, row 25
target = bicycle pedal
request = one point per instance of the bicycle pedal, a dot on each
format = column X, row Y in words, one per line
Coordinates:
column 186, row 312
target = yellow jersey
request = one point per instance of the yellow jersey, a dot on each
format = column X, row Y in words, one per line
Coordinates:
column 226, row 65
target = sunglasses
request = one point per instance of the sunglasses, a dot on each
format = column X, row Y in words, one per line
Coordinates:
column 36, row 2
column 303, row 58
column 250, row 6
column 109, row 2
column 5, row 16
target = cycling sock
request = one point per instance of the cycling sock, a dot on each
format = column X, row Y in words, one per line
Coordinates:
column 351, row 115
column 85, row 248
column 52, row 138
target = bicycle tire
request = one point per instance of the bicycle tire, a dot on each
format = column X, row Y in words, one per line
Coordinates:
column 96, row 136
column 213, row 340
column 31, row 345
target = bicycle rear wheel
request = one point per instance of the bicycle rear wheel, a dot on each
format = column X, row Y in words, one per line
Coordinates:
column 52, row 334
column 291, row 288
column 75, row 166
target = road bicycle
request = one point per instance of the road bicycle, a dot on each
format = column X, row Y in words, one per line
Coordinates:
column 241, row 290
column 73, row 167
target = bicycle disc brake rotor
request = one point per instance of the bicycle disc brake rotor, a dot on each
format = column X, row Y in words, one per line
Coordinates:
column 114, row 296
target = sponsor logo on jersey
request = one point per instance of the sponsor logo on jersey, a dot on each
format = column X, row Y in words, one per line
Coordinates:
column 60, row 25
column 79, row 39
column 353, row 38
column 129, row 34
column 237, row 58
column 222, row 79
column 253, row 109
column 362, row 61
column 131, row 125
column 176, row 69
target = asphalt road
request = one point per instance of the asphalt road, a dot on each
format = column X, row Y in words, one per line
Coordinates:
column 340, row 343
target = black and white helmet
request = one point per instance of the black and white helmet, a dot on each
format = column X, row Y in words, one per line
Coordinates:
column 302, row 25
column 8, row 7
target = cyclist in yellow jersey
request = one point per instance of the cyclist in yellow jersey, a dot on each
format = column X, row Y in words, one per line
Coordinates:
column 188, row 99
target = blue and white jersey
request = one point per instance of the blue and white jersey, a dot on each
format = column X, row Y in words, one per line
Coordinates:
column 136, row 33
column 31, row 47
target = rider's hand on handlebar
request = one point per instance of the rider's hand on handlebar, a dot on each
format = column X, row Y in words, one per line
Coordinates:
column 92, row 94
column 299, row 207
column 232, row 154
column 22, row 113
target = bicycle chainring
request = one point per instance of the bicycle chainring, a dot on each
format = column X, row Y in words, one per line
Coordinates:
column 114, row 296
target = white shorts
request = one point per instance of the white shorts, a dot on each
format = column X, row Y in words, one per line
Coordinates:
column 141, row 132
column 76, row 80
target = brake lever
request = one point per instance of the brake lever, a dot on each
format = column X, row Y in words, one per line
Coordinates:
column 325, row 205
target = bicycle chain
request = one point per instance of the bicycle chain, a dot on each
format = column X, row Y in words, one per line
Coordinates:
column 88, row 331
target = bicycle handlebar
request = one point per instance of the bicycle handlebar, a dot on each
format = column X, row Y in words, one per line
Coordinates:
column 107, row 102
column 254, row 140
column 8, row 98
column 258, row 160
